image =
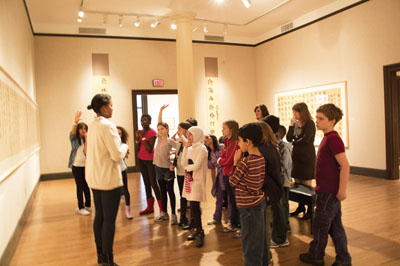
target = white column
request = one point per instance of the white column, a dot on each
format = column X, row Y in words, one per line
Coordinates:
column 184, row 65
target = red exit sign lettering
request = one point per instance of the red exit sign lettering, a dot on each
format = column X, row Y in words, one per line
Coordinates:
column 158, row 82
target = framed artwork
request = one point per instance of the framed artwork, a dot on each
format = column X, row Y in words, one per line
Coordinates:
column 314, row 97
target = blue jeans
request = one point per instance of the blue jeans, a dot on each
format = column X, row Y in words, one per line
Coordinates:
column 252, row 221
column 328, row 220
column 280, row 218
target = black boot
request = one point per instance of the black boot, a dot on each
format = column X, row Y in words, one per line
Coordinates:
column 101, row 258
column 109, row 261
column 200, row 239
column 189, row 226
column 307, row 215
column 183, row 220
column 300, row 209
column 192, row 236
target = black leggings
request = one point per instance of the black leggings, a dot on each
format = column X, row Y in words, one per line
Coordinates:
column 235, row 216
column 181, row 180
column 196, row 215
column 81, row 186
column 167, row 186
column 127, row 196
column 149, row 178
column 106, row 203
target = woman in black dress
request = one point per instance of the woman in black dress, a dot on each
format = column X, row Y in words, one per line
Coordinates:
column 302, row 134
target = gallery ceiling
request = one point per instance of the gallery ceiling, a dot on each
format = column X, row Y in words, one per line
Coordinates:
column 225, row 20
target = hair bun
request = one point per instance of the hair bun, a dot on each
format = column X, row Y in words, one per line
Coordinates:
column 89, row 107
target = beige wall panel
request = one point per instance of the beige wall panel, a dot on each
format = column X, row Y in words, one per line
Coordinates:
column 16, row 59
column 352, row 46
column 63, row 73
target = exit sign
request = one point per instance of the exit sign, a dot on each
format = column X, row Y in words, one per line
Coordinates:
column 158, row 82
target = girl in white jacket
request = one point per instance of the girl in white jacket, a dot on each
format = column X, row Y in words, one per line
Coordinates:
column 194, row 160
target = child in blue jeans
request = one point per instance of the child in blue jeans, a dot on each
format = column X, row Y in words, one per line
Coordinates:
column 248, row 179
column 332, row 172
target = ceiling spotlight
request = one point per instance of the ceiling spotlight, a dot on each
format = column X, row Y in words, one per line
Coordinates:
column 79, row 20
column 121, row 18
column 219, row 1
column 194, row 29
column 81, row 13
column 225, row 31
column 173, row 25
column 246, row 3
column 205, row 28
column 155, row 24
column 137, row 22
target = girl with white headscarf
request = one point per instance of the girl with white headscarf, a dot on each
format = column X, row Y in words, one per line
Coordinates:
column 194, row 160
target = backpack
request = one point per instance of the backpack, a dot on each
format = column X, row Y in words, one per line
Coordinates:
column 273, row 182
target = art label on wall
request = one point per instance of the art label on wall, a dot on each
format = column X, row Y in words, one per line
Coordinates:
column 314, row 97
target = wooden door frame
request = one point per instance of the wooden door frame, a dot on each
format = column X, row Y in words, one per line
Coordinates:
column 134, row 113
column 392, row 119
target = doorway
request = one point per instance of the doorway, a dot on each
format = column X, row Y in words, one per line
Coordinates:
column 149, row 102
column 392, row 119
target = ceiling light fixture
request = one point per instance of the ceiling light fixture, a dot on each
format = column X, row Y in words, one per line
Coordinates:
column 205, row 28
column 246, row 3
column 120, row 20
column 173, row 25
column 137, row 22
column 155, row 24
column 81, row 13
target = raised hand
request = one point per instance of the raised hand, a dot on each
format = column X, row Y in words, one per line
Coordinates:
column 78, row 116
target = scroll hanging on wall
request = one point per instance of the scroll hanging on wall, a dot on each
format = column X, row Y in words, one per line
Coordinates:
column 18, row 124
column 101, row 74
column 314, row 97
column 211, row 78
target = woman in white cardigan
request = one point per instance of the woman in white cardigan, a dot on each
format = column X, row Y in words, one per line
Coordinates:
column 103, row 174
column 194, row 160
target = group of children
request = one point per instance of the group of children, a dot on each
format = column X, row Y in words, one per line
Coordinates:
column 251, row 172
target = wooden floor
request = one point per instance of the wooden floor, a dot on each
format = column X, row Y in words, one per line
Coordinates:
column 56, row 235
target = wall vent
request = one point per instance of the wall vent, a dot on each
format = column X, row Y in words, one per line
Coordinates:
column 92, row 30
column 287, row 27
column 214, row 38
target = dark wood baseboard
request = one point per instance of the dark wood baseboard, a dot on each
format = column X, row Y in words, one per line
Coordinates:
column 355, row 170
column 66, row 175
column 55, row 176
column 16, row 236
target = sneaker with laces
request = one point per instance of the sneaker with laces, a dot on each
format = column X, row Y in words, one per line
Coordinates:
column 229, row 229
column 82, row 211
column 276, row 245
column 162, row 217
column 174, row 219
column 211, row 222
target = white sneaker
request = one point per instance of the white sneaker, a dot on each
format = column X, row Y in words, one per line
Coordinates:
column 276, row 245
column 88, row 209
column 82, row 211
column 162, row 217
column 174, row 219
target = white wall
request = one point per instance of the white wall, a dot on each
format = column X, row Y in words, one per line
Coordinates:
column 353, row 46
column 16, row 58
column 63, row 75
